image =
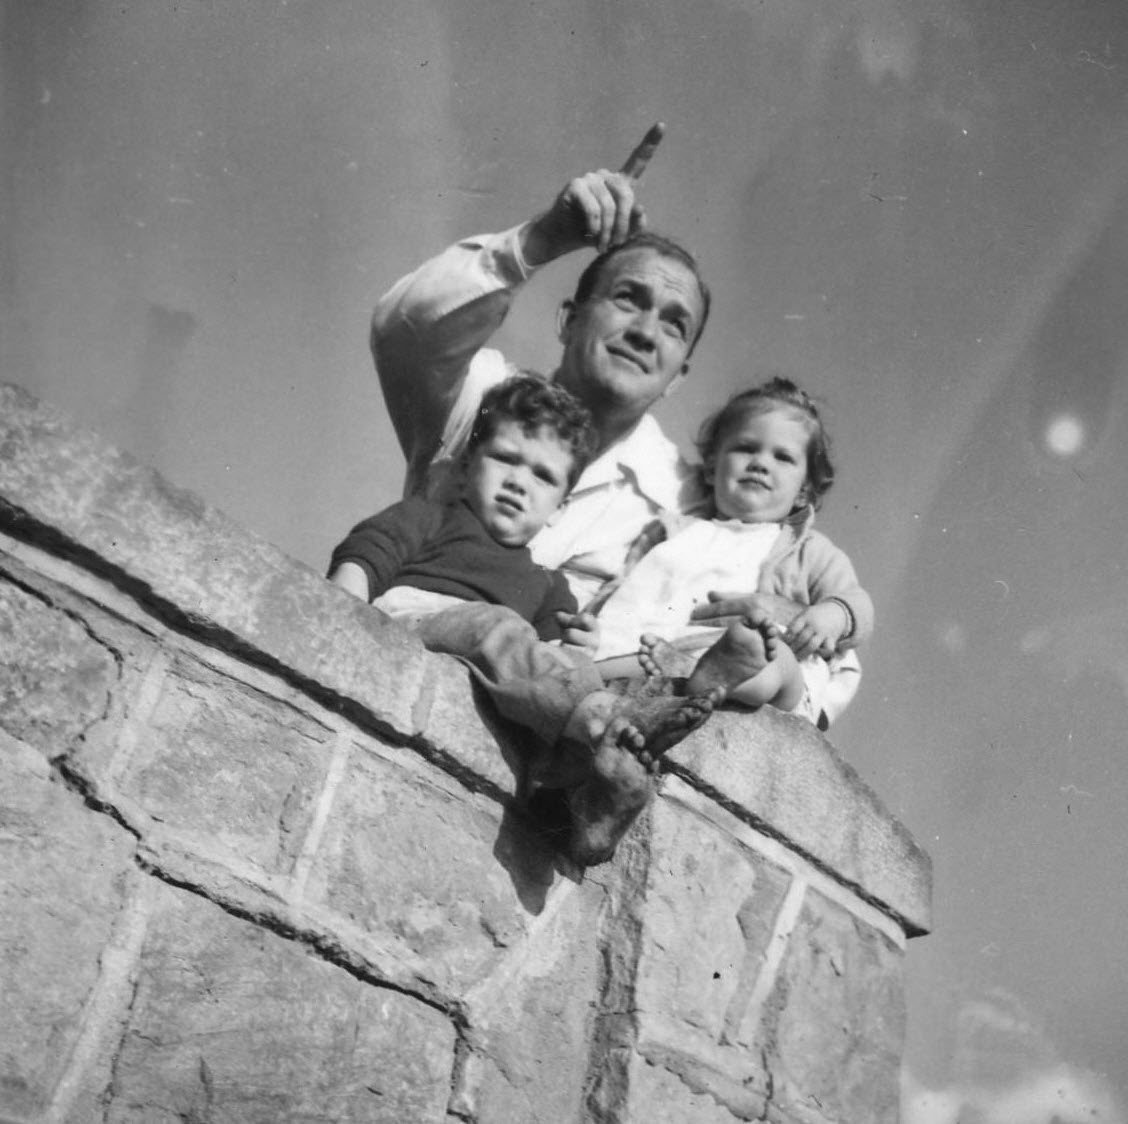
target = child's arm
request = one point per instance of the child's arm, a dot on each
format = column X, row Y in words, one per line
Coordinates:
column 351, row 577
column 367, row 561
column 834, row 583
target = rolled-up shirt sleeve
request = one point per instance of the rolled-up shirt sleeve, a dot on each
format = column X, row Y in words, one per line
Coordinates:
column 427, row 329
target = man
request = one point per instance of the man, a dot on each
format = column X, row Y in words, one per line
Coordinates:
column 627, row 335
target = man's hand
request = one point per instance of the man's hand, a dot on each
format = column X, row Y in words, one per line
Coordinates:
column 808, row 629
column 722, row 607
column 580, row 630
column 817, row 630
column 598, row 209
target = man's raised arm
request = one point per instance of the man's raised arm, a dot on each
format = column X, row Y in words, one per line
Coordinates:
column 429, row 329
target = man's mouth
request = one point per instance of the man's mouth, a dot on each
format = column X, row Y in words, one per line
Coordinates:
column 631, row 357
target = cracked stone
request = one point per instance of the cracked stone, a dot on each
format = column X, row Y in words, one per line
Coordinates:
column 233, row 1024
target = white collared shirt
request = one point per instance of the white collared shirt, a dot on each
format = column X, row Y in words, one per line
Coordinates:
column 638, row 478
column 428, row 335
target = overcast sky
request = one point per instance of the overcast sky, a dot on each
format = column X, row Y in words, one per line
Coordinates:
column 917, row 208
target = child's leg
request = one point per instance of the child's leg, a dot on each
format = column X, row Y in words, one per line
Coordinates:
column 620, row 667
column 605, row 744
column 534, row 684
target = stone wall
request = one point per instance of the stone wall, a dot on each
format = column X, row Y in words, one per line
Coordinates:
column 261, row 863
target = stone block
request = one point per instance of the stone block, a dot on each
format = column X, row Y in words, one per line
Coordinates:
column 219, row 763
column 413, row 859
column 60, row 483
column 532, row 1027
column 711, row 907
column 56, row 679
column 834, row 1025
column 233, row 1024
column 460, row 724
column 62, row 890
column 780, row 771
column 659, row 1096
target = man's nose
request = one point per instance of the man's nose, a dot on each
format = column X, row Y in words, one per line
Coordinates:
column 514, row 480
column 643, row 328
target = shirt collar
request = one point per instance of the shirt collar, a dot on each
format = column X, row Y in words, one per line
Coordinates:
column 648, row 458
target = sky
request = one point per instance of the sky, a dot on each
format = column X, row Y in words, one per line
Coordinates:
column 917, row 209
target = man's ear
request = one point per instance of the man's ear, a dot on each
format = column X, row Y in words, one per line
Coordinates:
column 565, row 314
column 676, row 381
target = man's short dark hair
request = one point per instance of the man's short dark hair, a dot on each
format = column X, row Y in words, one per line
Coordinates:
column 662, row 246
column 533, row 402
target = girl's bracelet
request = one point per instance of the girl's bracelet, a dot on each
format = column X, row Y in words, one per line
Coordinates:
column 851, row 623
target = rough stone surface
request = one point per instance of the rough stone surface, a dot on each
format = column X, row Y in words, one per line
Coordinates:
column 846, row 1060
column 55, row 678
column 710, row 912
column 199, row 766
column 797, row 784
column 231, row 1024
column 532, row 1017
column 457, row 722
column 71, row 864
column 65, row 486
column 412, row 860
column 662, row 1097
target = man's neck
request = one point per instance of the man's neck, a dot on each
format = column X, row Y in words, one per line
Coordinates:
column 609, row 428
column 608, row 433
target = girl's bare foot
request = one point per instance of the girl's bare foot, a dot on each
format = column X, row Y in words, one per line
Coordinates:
column 745, row 648
column 659, row 657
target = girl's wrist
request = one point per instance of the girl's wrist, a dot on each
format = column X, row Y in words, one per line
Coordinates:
column 848, row 613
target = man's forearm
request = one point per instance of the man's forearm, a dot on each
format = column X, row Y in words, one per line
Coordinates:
column 427, row 328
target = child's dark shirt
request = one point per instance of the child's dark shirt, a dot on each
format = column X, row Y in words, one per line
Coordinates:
column 444, row 548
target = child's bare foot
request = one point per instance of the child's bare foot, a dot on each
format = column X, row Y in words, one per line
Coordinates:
column 745, row 648
column 624, row 768
column 659, row 657
column 664, row 720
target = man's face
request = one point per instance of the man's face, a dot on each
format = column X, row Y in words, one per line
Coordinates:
column 628, row 342
column 515, row 480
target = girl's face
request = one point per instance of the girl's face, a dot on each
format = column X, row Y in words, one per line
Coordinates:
column 759, row 468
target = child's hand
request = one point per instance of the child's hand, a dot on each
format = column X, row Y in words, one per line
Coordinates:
column 580, row 630
column 817, row 630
